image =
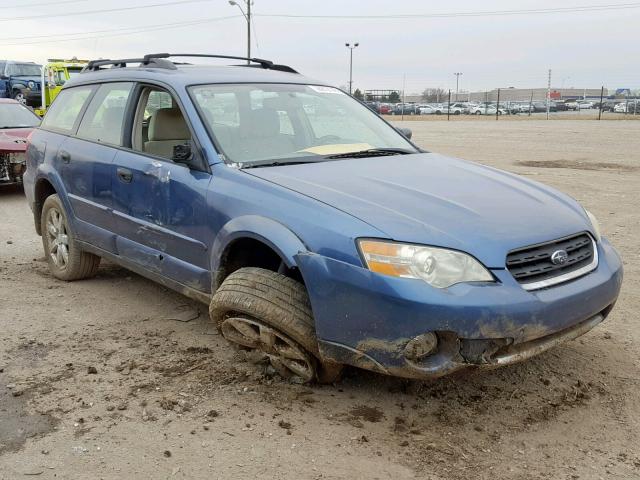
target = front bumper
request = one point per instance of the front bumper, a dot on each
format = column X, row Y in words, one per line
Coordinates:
column 33, row 97
column 366, row 319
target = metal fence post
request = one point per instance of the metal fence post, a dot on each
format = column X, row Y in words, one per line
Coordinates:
column 498, row 105
column 449, row 106
column 601, row 97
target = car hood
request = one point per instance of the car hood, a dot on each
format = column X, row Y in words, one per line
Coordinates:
column 436, row 200
column 14, row 139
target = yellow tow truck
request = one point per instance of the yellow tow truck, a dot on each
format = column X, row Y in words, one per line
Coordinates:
column 54, row 75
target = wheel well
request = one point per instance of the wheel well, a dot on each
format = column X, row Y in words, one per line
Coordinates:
column 249, row 252
column 42, row 191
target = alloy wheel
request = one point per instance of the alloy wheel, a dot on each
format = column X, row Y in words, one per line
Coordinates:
column 284, row 355
column 57, row 238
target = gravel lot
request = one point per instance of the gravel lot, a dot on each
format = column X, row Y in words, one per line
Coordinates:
column 117, row 377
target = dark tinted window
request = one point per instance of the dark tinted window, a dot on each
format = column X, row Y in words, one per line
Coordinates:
column 28, row 69
column 104, row 119
column 64, row 111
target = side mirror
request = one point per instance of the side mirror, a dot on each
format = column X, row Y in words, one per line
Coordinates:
column 406, row 132
column 182, row 154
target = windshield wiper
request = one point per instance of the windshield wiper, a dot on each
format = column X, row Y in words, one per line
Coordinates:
column 279, row 163
column 372, row 152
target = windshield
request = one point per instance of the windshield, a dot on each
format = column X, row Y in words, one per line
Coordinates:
column 23, row 69
column 256, row 123
column 15, row 115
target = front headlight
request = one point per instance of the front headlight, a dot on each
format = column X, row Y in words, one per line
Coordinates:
column 31, row 84
column 439, row 267
column 594, row 223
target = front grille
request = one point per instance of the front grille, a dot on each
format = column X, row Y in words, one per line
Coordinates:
column 532, row 266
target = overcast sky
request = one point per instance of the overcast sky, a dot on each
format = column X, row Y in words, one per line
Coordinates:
column 585, row 49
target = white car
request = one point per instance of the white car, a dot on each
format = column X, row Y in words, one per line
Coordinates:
column 427, row 110
column 585, row 105
column 487, row 110
column 624, row 107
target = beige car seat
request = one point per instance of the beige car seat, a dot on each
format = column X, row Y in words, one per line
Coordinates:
column 167, row 129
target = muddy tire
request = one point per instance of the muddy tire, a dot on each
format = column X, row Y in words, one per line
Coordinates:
column 65, row 258
column 269, row 313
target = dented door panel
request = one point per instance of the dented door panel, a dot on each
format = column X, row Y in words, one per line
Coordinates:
column 159, row 215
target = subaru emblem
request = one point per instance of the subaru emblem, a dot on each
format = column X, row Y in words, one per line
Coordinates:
column 559, row 257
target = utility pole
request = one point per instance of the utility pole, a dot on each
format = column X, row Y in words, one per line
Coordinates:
column 351, row 48
column 247, row 17
column 548, row 94
column 457, row 74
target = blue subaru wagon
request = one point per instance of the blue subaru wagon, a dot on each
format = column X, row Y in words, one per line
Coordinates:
column 318, row 234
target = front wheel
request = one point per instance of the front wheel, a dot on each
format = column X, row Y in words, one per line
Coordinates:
column 270, row 314
column 19, row 96
column 65, row 258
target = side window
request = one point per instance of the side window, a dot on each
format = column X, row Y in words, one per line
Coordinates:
column 63, row 113
column 160, row 128
column 157, row 99
column 104, row 119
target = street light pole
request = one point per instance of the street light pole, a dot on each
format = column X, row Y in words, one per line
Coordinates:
column 351, row 48
column 247, row 17
column 457, row 74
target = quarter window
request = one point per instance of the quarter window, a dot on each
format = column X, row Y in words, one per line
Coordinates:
column 64, row 111
column 104, row 118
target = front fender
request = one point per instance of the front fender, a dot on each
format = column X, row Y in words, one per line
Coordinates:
column 277, row 236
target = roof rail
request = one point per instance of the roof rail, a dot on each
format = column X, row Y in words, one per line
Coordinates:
column 161, row 60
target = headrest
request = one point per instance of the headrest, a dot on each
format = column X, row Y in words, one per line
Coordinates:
column 265, row 122
column 168, row 124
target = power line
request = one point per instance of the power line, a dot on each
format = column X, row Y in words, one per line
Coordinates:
column 108, row 10
column 44, row 4
column 112, row 33
column 111, row 30
column 576, row 9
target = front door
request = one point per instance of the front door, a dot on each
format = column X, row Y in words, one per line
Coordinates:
column 159, row 206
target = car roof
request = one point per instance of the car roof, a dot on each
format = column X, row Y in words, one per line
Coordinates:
column 185, row 75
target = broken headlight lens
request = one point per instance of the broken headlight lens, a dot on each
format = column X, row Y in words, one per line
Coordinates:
column 439, row 267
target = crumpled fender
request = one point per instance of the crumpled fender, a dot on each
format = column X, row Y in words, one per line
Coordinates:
column 278, row 237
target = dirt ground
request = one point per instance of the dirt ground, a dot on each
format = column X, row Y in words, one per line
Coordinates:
column 117, row 377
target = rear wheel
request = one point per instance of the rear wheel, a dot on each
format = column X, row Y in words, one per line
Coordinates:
column 270, row 314
column 65, row 258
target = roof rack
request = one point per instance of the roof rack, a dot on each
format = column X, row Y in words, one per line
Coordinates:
column 161, row 60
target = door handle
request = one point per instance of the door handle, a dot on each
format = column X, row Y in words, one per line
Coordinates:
column 65, row 156
column 124, row 174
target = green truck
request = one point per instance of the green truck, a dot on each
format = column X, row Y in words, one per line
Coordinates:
column 54, row 75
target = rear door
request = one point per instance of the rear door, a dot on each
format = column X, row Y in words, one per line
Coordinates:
column 85, row 162
column 159, row 205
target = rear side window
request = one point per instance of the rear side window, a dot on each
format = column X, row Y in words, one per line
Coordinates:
column 64, row 111
column 104, row 118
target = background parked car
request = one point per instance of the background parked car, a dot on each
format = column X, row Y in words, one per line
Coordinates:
column 427, row 110
column 585, row 105
column 21, row 81
column 405, row 109
column 487, row 110
column 16, row 123
column 627, row 107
